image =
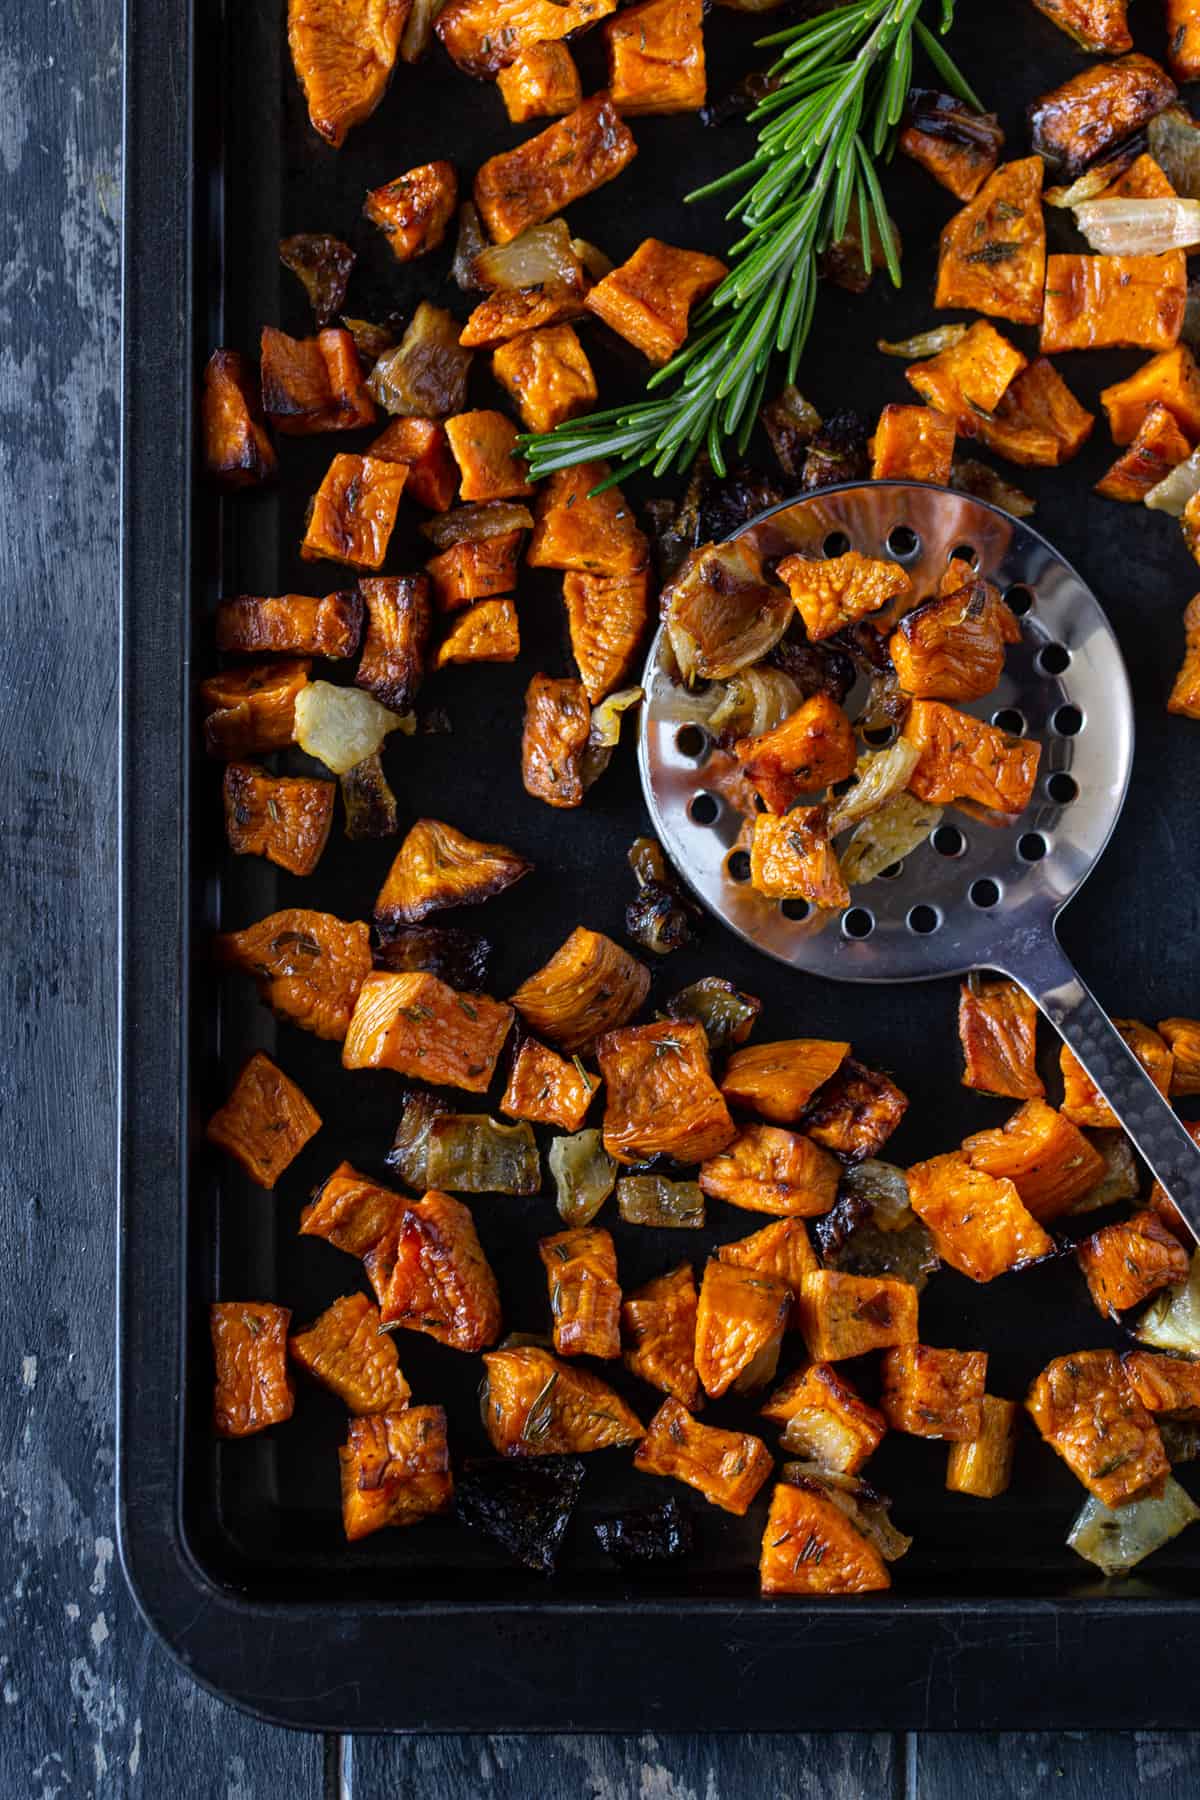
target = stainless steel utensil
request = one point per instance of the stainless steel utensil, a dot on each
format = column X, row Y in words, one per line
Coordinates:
column 974, row 895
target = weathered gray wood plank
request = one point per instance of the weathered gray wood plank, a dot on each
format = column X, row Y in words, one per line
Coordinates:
column 1077, row 1765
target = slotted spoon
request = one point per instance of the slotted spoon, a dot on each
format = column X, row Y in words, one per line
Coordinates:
column 974, row 895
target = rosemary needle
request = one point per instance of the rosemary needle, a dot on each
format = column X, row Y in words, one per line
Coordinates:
column 838, row 89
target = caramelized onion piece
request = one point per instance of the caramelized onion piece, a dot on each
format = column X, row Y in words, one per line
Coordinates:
column 1176, row 489
column 926, row 343
column 1118, row 1539
column 605, row 733
column 1174, row 138
column 542, row 256
column 863, row 1505
column 459, row 958
column 371, row 810
column 721, row 612
column 887, row 837
column 425, row 376
column 342, row 726
column 463, row 1153
column 322, row 265
column 418, row 29
column 879, row 776
column 475, row 524
column 584, row 1175
column 726, row 1014
column 791, row 423
column 970, row 476
column 472, row 238
column 653, row 1200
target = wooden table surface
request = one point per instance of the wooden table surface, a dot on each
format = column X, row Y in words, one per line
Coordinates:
column 90, row 1705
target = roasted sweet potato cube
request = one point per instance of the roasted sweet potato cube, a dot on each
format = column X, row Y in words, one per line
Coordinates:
column 558, row 722
column 810, row 1546
column 352, row 1212
column 824, row 1420
column 548, row 1089
column 1182, row 1038
column 252, row 710
column 1082, row 1100
column 792, row 858
column 489, row 631
column 418, row 1026
column 485, row 36
column 656, row 57
column 769, row 1170
column 266, row 1121
column 606, row 617
column 648, row 299
column 993, row 253
column 534, row 1405
column 997, row 1028
column 974, row 373
column 1157, row 449
column 727, row 1467
column 237, row 451
column 309, row 966
column 513, row 313
column 395, row 1470
column 1171, row 380
column 1072, row 126
column 1123, row 1264
column 421, row 446
column 1085, row 1407
column 438, row 866
column 1038, row 422
column 567, row 160
column 414, row 210
column 313, row 384
column 541, row 83
column 585, row 1294
column 1142, row 180
column 474, row 570
column 353, row 511
column 834, row 592
column 253, row 1388
column 547, row 376
column 658, row 1330
column 965, row 759
column 781, row 1250
column 1164, row 1384
column 846, row 1315
column 589, row 986
column 856, row 1111
column 933, row 1393
column 441, row 1282
column 483, row 445
column 1046, row 1157
column 913, row 443
column 399, row 624
column 287, row 819
column 1185, row 692
column 347, row 1353
column 589, row 535
column 952, row 647
column 1097, row 25
column 813, row 748
column 344, row 52
column 291, row 622
column 1183, row 39
column 982, row 1465
column 978, row 1222
column 958, row 147
column 1110, row 302
column 661, row 1099
column 778, row 1080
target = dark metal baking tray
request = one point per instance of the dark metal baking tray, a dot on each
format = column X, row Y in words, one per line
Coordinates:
column 235, row 1551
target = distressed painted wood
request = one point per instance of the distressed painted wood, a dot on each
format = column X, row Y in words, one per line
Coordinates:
column 1073, row 1765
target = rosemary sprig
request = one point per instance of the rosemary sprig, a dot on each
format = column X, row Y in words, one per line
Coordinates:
column 840, row 84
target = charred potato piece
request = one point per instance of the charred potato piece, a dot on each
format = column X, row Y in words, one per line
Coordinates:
column 344, row 52
column 489, row 631
column 346, row 1351
column 309, row 966
column 952, row 647
column 483, row 445
column 1123, row 1264
column 1110, row 302
column 567, row 160
column 1182, row 1038
column 855, row 1112
column 656, row 57
column 648, row 300
column 1183, row 39
column 727, row 1467
column 974, row 373
column 661, row 1099
column 395, row 1470
column 810, row 1546
column 352, row 1212
column 792, row 858
column 778, row 1080
column 414, row 210
column 237, row 451
column 978, row 1222
column 422, row 447
column 997, row 1028
column 958, row 147
column 252, row 710
column 441, row 1282
column 913, row 443
column 993, row 253
column 513, row 313
column 589, row 986
column 606, row 617
column 547, row 376
column 474, row 570
column 266, row 1121
column 485, row 36
column 824, row 1420
column 291, row 622
column 1038, row 421
column 253, row 1388
column 1096, row 25
column 1075, row 124
column 437, row 866
column 548, row 1089
column 418, row 1026
column 354, row 511
column 965, row 759
column 590, row 536
column 1082, row 1100
column 399, row 623
column 834, row 592
column 541, row 83
column 1086, row 1409
column 1171, row 380
column 846, row 1315
column 1046, row 1157
column 982, row 1465
column 534, row 1405
column 459, row 958
column 323, row 265
column 585, row 1294
column 558, row 722
column 1164, row 1384
column 313, row 384
column 285, row 818
column 1157, row 449
column 766, row 1169
column 782, row 1251
column 1185, row 693
column 658, row 1330
column 813, row 748
column 933, row 1393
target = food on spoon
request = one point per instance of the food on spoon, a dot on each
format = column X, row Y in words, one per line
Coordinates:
column 913, row 443
column 237, row 451
column 418, row 1026
column 993, row 253
column 399, row 623
column 313, row 384
column 592, row 535
column 656, row 57
column 547, row 375
column 266, row 1121
column 309, row 966
column 963, row 758
column 722, row 613
column 567, row 160
column 425, row 376
column 660, row 1097
column 933, row 1393
column 541, row 83
column 952, row 647
column 285, row 818
column 811, row 1546
column 485, row 36
column 1086, row 1409
column 958, row 146
column 589, row 986
column 727, row 1467
column 532, row 1404
column 585, row 1294
column 1082, row 1100
column 982, row 1465
column 253, row 1388
column 414, row 210
column 291, row 623
column 649, row 298
column 421, row 445
column 836, row 591
column 252, row 709
column 347, row 1353
column 558, row 723
column 842, row 1316
column 438, row 866
column 395, row 1470
column 792, row 858
column 1046, row 1157
column 658, row 1331
column 353, row 512
column 813, row 748
column 322, row 264
column 474, row 570
column 441, row 1282
column 1159, row 447
column 824, row 1420
column 344, row 52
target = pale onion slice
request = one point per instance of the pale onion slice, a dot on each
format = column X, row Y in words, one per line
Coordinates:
column 418, row 29
column 1120, row 1180
column 605, row 733
column 1117, row 1539
column 1139, row 227
column 878, row 775
column 884, row 1187
column 342, row 726
column 887, row 837
column 472, row 239
column 1176, row 489
column 473, row 524
column 926, row 343
column 1172, row 1321
column 593, row 258
column 749, row 703
column 864, row 1506
column 1093, row 182
column 542, row 256
column 584, row 1175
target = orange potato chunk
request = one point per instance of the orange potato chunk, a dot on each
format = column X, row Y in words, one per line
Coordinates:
column 438, row 866
column 489, row 631
column 856, row 1111
column 567, row 160
column 441, row 1282
column 395, row 1470
column 809, row 1546
column 993, row 252
column 648, row 299
column 1086, row 1409
column 1074, row 126
column 778, row 1080
column 813, row 748
column 1183, row 39
column 344, row 52
column 352, row 1212
column 513, row 313
column 548, row 1089
column 964, row 759
column 973, row 374
column 727, row 1467
column 1046, row 1157
column 309, row 966
column 541, row 83
column 291, row 622
column 656, row 57
column 933, row 1393
column 474, row 570
column 558, row 723
column 1038, row 422
column 977, row 1221
column 547, row 375
column 766, row 1169
column 661, row 1098
column 958, row 159
column 982, row 1465
column 415, row 1024
column 237, row 451
column 658, row 1330
column 483, row 445
column 1108, row 302
column 420, row 444
column 1171, row 379
column 285, row 818
column 1185, row 692
column 843, row 1316
column 414, row 210
column 952, row 647
column 839, row 590
column 313, row 384
column 346, row 1351
column 1159, row 447
column 534, row 1405
column 606, row 617
column 997, row 1028
column 792, row 858
column 253, row 709
column 1142, row 180
column 589, row 986
column 781, row 1250
column 266, row 1121
column 354, row 510
column 1182, row 1038
column 1082, row 1100
column 1123, row 1264
column 399, row 623
column 1164, row 1384
column 1097, row 25
column 589, row 535
column 913, row 443
column 585, row 1294
column 485, row 36
column 824, row 1420
column 253, row 1388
